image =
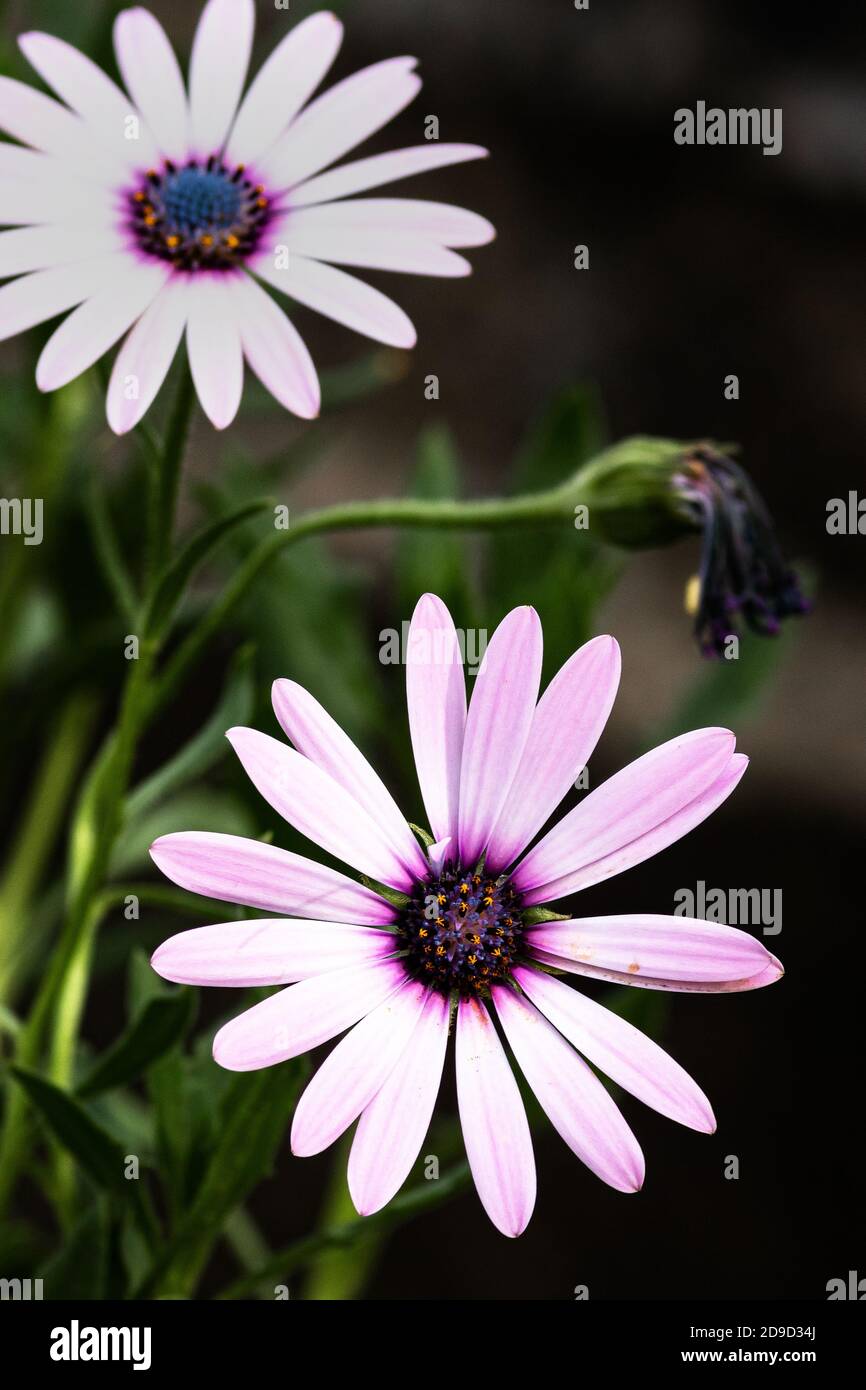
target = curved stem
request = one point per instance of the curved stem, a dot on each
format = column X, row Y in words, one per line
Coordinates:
column 498, row 513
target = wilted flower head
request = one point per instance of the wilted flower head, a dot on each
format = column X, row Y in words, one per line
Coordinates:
column 648, row 492
column 454, row 935
column 743, row 571
column 163, row 213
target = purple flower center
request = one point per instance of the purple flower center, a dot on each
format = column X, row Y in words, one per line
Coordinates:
column 462, row 932
column 199, row 216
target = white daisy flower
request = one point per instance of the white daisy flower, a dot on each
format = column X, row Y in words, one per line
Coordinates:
column 161, row 212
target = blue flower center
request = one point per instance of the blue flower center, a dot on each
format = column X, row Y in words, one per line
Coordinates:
column 462, row 932
column 200, row 216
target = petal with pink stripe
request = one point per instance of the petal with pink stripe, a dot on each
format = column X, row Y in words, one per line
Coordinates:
column 619, row 1050
column 304, row 1015
column 493, row 1120
column 267, row 952
column 571, row 1095
column 391, row 1129
column 352, row 1074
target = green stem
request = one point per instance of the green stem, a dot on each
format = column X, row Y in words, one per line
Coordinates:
column 59, row 1004
column 425, row 1197
column 532, row 509
column 38, row 831
column 165, row 476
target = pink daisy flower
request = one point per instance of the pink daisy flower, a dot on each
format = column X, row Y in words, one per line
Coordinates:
column 165, row 213
column 463, row 940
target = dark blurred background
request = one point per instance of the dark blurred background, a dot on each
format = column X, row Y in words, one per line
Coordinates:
column 703, row 262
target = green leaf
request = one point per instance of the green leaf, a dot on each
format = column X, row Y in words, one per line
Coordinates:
column 156, row 1029
column 533, row 915
column 204, row 809
column 209, row 745
column 174, row 581
column 92, row 1147
column 254, row 1117
column 79, row 1269
column 423, row 835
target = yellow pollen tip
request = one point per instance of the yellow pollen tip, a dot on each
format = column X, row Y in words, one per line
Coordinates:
column 232, row 241
column 206, row 240
column 172, row 241
column 692, row 596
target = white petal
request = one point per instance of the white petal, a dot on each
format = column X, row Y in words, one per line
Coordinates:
column 284, row 83
column 142, row 364
column 34, row 298
column 38, row 248
column 373, row 249
column 152, row 75
column 104, row 108
column 339, row 297
column 43, row 123
column 95, row 326
column 440, row 223
column 213, row 339
column 276, row 351
column 340, row 119
column 379, row 169
column 218, row 67
column 65, row 201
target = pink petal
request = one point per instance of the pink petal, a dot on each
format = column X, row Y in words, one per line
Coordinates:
column 276, row 351
column 565, row 728
column 572, row 1097
column 34, row 298
column 95, row 326
column 375, row 248
column 392, row 1128
column 320, row 738
column 437, row 222
column 142, row 363
column 236, row 870
column 218, row 67
column 632, row 815
column 497, row 727
column 380, row 169
column 621, row 1051
column 303, row 1016
column 495, row 1129
column 100, row 103
column 267, row 952
column 214, row 345
column 153, row 79
column 339, row 120
column 436, row 699
column 654, row 950
column 338, row 296
column 283, row 84
column 317, row 806
column 352, row 1074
